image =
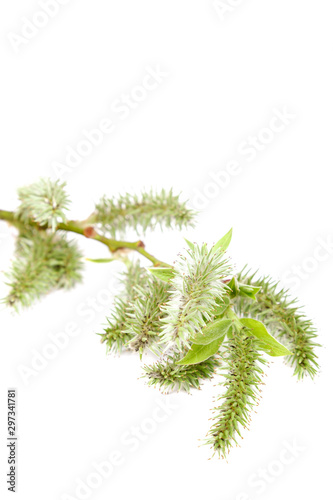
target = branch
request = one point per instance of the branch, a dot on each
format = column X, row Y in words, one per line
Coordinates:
column 80, row 227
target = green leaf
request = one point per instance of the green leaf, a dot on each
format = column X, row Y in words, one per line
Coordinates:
column 163, row 273
column 234, row 287
column 221, row 307
column 248, row 291
column 100, row 261
column 224, row 242
column 269, row 343
column 242, row 289
column 220, row 310
column 214, row 331
column 199, row 353
column 191, row 245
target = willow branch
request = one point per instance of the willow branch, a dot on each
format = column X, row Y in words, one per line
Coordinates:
column 80, row 227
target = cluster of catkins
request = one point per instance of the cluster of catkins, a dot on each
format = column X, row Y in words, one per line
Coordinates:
column 46, row 259
column 197, row 317
column 199, row 321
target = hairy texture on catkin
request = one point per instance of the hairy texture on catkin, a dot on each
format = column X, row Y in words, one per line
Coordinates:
column 144, row 320
column 242, row 382
column 142, row 212
column 45, row 202
column 169, row 376
column 197, row 285
column 284, row 319
column 115, row 335
column 43, row 262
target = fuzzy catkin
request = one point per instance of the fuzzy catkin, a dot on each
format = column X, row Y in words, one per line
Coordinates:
column 197, row 285
column 144, row 320
column 43, row 262
column 115, row 335
column 285, row 321
column 169, row 376
column 142, row 212
column 242, row 382
column 45, row 202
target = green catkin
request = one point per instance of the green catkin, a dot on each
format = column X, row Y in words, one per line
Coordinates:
column 43, row 262
column 144, row 320
column 197, row 285
column 169, row 376
column 242, row 382
column 67, row 260
column 284, row 319
column 142, row 212
column 115, row 335
column 45, row 202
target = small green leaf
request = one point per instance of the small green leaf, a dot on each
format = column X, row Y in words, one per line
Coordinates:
column 221, row 307
column 191, row 245
column 199, row 353
column 242, row 289
column 220, row 310
column 248, row 291
column 100, row 261
column 269, row 343
column 234, row 287
column 224, row 242
column 163, row 273
column 214, row 331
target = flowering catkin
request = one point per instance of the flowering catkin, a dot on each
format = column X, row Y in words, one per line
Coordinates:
column 45, row 202
column 197, row 285
column 143, row 320
column 141, row 212
column 285, row 321
column 115, row 335
column 44, row 262
column 169, row 376
column 242, row 381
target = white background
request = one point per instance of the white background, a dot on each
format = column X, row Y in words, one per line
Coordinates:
column 226, row 76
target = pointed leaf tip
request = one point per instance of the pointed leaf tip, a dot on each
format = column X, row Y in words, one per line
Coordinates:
column 163, row 273
column 269, row 344
column 224, row 242
column 199, row 353
column 213, row 331
column 190, row 244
